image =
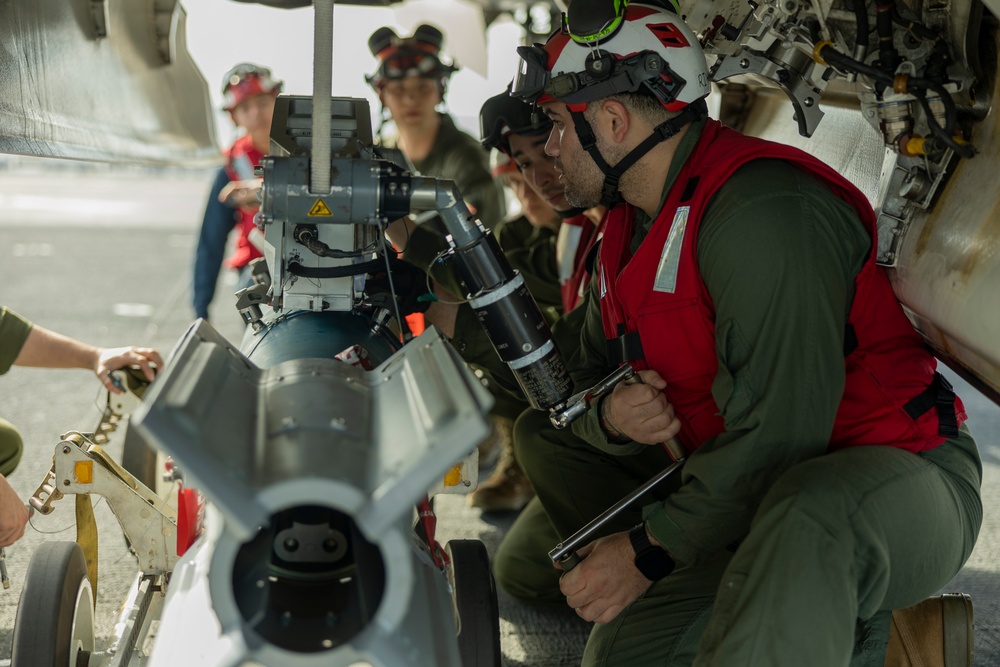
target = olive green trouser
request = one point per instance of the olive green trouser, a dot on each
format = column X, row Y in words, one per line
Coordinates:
column 853, row 534
column 10, row 447
column 847, row 536
column 574, row 483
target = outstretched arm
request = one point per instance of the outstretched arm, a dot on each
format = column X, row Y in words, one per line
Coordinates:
column 48, row 349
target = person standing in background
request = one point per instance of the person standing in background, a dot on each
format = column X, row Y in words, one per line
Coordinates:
column 411, row 81
column 249, row 92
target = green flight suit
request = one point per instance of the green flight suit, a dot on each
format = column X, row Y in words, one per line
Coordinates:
column 456, row 157
column 14, row 330
column 836, row 537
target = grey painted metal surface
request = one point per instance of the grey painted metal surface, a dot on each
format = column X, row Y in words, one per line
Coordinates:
column 303, row 436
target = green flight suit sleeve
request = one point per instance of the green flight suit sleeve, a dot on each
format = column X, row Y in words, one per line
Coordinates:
column 588, row 365
column 459, row 158
column 530, row 253
column 14, row 330
column 535, row 260
column 468, row 166
column 778, row 253
column 423, row 249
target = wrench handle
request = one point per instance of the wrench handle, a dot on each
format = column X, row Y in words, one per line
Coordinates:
column 571, row 560
column 566, row 550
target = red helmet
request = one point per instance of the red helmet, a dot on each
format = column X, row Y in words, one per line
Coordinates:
column 244, row 81
column 633, row 48
column 400, row 57
column 500, row 163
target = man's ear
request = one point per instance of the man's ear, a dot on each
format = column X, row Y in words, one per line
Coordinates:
column 618, row 119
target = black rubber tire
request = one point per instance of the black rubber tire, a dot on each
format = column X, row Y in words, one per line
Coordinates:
column 476, row 601
column 48, row 632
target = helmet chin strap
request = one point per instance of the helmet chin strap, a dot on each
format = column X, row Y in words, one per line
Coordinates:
column 610, row 196
column 570, row 213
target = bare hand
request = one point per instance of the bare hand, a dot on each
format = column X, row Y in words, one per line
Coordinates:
column 13, row 514
column 606, row 581
column 243, row 194
column 121, row 357
column 641, row 411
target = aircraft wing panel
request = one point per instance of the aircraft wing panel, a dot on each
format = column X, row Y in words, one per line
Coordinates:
column 101, row 80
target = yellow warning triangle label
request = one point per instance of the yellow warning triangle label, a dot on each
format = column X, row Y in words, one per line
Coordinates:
column 319, row 209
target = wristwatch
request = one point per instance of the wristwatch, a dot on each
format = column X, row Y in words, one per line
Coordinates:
column 653, row 562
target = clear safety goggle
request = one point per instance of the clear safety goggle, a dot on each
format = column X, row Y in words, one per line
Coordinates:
column 532, row 76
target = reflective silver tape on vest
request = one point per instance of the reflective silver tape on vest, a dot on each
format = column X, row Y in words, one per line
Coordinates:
column 666, row 272
column 498, row 293
column 529, row 359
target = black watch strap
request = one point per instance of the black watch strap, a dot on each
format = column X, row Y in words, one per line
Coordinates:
column 652, row 561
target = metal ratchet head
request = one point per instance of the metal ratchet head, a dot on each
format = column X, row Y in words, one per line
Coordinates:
column 577, row 405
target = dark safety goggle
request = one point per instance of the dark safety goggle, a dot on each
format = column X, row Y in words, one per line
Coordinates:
column 408, row 61
column 504, row 115
column 412, row 62
column 604, row 76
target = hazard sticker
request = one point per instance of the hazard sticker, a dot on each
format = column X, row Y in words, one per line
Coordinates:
column 319, row 209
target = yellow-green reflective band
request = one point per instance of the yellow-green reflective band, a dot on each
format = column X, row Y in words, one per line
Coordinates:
column 609, row 28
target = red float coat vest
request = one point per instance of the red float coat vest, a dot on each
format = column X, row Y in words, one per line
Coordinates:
column 890, row 383
column 577, row 236
column 241, row 159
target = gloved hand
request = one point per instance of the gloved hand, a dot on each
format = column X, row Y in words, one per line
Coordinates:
column 410, row 284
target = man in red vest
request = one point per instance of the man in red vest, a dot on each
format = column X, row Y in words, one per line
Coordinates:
column 248, row 92
column 830, row 478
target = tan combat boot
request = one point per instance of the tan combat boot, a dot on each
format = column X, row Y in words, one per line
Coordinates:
column 500, row 438
column 507, row 489
column 934, row 633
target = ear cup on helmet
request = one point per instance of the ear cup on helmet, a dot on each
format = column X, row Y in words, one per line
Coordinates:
column 381, row 39
column 428, row 34
column 599, row 65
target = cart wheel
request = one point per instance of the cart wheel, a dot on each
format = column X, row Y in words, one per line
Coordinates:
column 476, row 600
column 55, row 616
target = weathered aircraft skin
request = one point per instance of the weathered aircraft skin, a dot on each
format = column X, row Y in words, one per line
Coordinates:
column 102, row 81
column 939, row 215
